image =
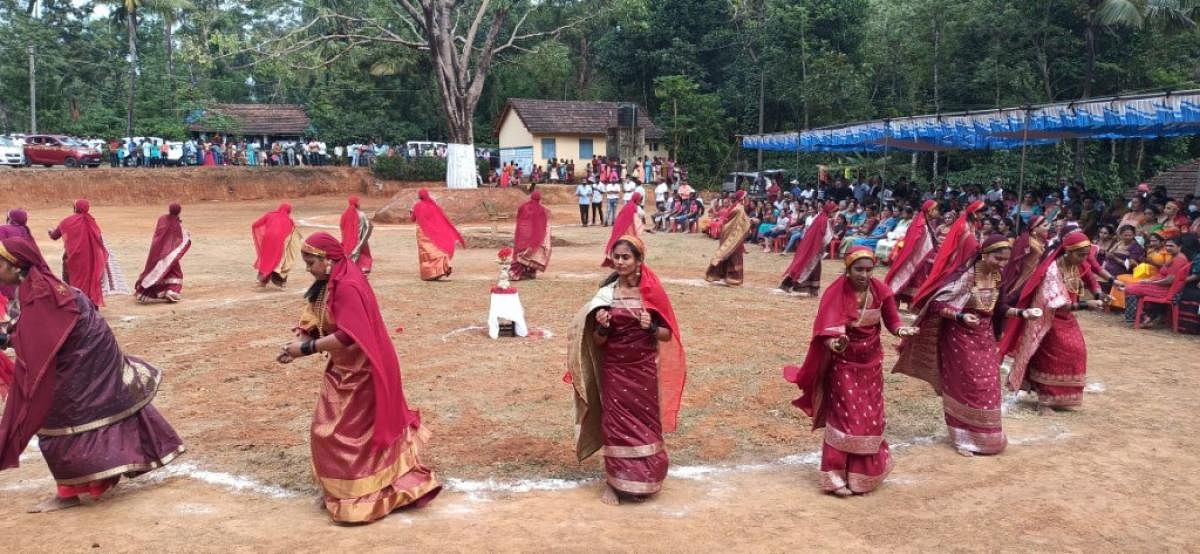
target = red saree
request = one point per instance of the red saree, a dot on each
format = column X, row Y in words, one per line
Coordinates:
column 911, row 265
column 436, row 238
column 88, row 403
column 1049, row 354
column 531, row 239
column 356, row 231
column 85, row 258
column 274, row 237
column 955, row 251
column 804, row 273
column 162, row 277
column 366, row 443
column 844, row 392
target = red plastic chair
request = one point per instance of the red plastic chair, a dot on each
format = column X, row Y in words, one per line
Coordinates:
column 779, row 243
column 1167, row 299
column 834, row 245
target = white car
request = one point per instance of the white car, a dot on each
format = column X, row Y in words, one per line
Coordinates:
column 11, row 153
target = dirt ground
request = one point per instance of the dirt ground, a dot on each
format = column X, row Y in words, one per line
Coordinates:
column 1120, row 474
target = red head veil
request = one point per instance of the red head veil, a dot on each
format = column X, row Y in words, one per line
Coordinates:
column 959, row 248
column 270, row 237
column 86, row 256
column 672, row 361
column 622, row 226
column 349, row 225
column 434, row 223
column 532, row 223
column 48, row 314
column 917, row 244
column 1014, row 327
column 839, row 308
column 354, row 309
column 1021, row 249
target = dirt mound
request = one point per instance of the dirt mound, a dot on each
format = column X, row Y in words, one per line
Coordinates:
column 471, row 206
column 500, row 239
column 36, row 187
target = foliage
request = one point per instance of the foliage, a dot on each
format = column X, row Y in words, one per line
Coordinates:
column 399, row 168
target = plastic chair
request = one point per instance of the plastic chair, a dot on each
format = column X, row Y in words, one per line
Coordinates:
column 1167, row 299
column 834, row 245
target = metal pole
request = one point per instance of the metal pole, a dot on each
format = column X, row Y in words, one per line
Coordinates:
column 32, row 92
column 1021, row 175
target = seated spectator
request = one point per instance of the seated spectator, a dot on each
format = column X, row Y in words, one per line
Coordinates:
column 883, row 248
column 1119, row 254
column 780, row 228
column 1156, row 258
column 886, row 223
column 1155, row 286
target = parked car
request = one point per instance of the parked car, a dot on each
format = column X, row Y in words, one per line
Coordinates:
column 51, row 150
column 11, row 153
column 753, row 182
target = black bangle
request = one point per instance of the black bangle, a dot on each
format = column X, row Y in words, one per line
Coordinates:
column 603, row 331
column 308, row 347
column 958, row 317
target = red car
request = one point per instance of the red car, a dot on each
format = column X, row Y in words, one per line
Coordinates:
column 51, row 150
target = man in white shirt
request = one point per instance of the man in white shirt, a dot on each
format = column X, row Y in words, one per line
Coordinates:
column 612, row 193
column 997, row 192
column 598, row 203
column 660, row 195
column 627, row 189
column 584, row 193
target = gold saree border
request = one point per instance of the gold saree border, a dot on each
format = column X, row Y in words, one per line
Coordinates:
column 864, row 445
column 127, row 468
column 352, row 510
column 109, row 420
column 1056, row 380
column 978, row 417
column 405, row 462
column 1059, row 400
column 974, row 441
column 633, row 451
column 634, row 487
column 832, row 480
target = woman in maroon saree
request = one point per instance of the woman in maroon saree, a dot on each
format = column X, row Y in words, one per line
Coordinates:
column 1049, row 354
column 366, row 442
column 841, row 381
column 1027, row 254
column 912, row 264
column 88, row 402
column 162, row 278
column 628, row 368
column 85, row 258
column 955, row 349
column 804, row 274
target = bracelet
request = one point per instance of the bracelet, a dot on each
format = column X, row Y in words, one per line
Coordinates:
column 308, row 347
column 958, row 317
column 603, row 331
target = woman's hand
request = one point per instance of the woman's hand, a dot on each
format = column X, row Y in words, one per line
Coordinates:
column 1031, row 313
column 644, row 320
column 292, row 349
column 907, row 331
column 283, row 358
column 970, row 320
column 603, row 318
column 837, row 345
column 1095, row 304
column 1119, row 284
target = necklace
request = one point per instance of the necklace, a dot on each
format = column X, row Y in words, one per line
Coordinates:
column 978, row 297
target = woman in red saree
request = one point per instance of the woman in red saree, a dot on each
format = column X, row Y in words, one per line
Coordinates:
column 275, row 243
column 356, row 231
column 1027, row 254
column 88, row 403
column 726, row 265
column 912, row 264
column 531, row 239
column 1049, row 354
column 436, row 237
column 627, row 223
column 956, row 249
column 85, row 259
column 841, row 381
column 162, row 278
column 804, row 274
column 366, row 442
column 955, row 349
column 627, row 365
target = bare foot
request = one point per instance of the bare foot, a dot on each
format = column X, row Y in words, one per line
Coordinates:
column 843, row 492
column 609, row 496
column 965, row 453
column 54, row 504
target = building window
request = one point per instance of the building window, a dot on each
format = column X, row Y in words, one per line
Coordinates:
column 548, row 151
column 585, row 149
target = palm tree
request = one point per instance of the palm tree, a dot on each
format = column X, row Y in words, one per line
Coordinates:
column 1170, row 14
column 170, row 11
column 126, row 12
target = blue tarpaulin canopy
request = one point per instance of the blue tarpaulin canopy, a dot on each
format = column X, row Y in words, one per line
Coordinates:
column 1165, row 114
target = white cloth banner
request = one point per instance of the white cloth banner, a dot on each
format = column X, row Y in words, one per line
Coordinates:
column 460, row 166
column 506, row 306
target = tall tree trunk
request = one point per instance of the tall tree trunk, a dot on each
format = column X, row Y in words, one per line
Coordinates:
column 169, row 44
column 937, row 91
column 804, row 66
column 762, row 97
column 1088, row 81
column 131, row 29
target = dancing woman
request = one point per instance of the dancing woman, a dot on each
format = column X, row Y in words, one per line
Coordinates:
column 1027, row 254
column 726, row 265
column 912, row 264
column 275, row 243
column 366, row 443
column 531, row 239
column 627, row 366
column 162, row 278
column 85, row 258
column 436, row 237
column 356, row 231
column 956, row 250
column 804, row 274
column 841, row 381
column 88, row 403
column 1049, row 354
column 955, row 350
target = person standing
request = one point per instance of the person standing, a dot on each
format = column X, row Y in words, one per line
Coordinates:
column 162, row 277
column 841, row 380
column 598, row 202
column 366, row 442
column 436, row 237
column 356, row 230
column 583, row 193
column 726, row 264
column 275, row 243
column 89, row 404
column 612, row 193
column 627, row 366
column 531, row 239
column 85, row 258
column 1049, row 354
